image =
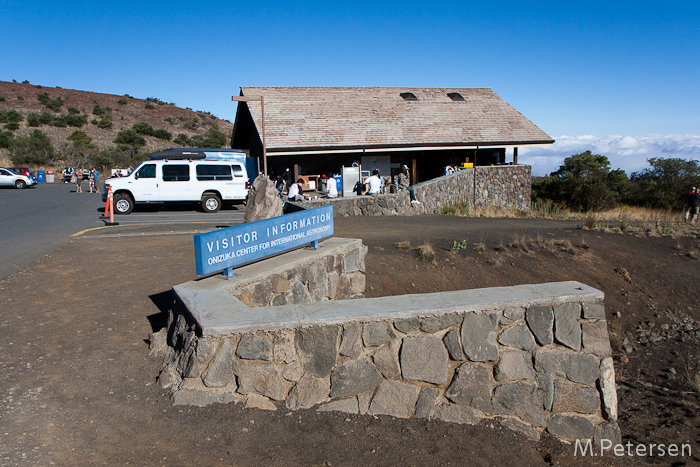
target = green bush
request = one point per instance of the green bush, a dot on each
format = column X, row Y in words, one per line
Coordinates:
column 98, row 110
column 73, row 111
column 182, row 140
column 6, row 139
column 2, row 98
column 129, row 138
column 35, row 148
column 104, row 122
column 121, row 102
column 52, row 104
column 163, row 134
column 142, row 128
column 80, row 139
column 10, row 116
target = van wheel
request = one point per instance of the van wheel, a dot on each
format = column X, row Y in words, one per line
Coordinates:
column 20, row 184
column 211, row 203
column 122, row 204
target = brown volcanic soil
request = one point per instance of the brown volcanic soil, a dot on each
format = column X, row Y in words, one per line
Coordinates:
column 77, row 387
column 124, row 115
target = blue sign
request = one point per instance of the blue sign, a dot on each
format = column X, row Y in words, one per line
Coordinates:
column 225, row 248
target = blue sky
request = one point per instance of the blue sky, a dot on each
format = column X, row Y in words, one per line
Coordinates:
column 616, row 76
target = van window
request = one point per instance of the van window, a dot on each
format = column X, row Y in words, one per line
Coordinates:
column 176, row 173
column 214, row 172
column 237, row 170
column 147, row 171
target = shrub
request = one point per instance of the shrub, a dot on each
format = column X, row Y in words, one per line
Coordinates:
column 35, row 148
column 2, row 98
column 80, row 139
column 665, row 184
column 73, row 111
column 121, row 102
column 52, row 104
column 6, row 139
column 129, row 138
column 142, row 128
column 104, row 122
column 182, row 140
column 163, row 134
column 214, row 138
column 10, row 116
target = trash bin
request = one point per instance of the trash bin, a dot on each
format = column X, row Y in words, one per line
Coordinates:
column 40, row 176
column 49, row 176
column 338, row 185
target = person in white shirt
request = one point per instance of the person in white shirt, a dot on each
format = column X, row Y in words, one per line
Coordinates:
column 375, row 183
column 296, row 193
column 331, row 188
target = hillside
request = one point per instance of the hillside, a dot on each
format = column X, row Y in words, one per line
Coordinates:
column 58, row 113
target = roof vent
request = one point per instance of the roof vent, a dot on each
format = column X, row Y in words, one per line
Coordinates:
column 455, row 96
column 409, row 96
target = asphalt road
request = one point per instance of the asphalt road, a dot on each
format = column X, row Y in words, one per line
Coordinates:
column 35, row 221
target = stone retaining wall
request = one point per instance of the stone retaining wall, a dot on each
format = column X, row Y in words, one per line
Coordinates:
column 506, row 186
column 533, row 357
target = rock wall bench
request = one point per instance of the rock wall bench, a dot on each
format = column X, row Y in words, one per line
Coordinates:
column 535, row 357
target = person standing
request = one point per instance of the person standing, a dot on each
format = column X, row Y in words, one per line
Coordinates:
column 694, row 206
column 688, row 206
column 404, row 183
column 78, row 180
column 94, row 180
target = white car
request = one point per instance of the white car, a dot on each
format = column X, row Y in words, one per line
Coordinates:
column 203, row 175
column 10, row 178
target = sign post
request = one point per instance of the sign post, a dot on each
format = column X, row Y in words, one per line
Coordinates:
column 223, row 249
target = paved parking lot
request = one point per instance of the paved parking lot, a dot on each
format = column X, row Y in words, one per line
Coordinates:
column 35, row 221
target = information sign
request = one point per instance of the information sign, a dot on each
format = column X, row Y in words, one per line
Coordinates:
column 225, row 248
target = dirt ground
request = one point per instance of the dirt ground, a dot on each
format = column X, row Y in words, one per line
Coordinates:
column 77, row 386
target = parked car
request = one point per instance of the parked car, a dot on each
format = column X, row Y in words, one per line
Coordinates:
column 11, row 178
column 23, row 171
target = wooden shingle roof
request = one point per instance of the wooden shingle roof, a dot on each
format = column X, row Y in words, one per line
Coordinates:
column 327, row 118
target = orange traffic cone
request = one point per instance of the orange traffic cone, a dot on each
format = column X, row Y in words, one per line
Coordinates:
column 109, row 208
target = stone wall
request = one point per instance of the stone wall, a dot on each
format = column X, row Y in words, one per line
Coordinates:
column 533, row 357
column 504, row 186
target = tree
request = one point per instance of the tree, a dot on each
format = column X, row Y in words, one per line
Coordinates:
column 129, row 138
column 33, row 149
column 6, row 139
column 666, row 183
column 80, row 139
column 584, row 182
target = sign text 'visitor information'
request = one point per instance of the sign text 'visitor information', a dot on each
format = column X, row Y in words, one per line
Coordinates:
column 225, row 248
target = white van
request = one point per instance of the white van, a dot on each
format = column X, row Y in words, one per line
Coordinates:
column 204, row 175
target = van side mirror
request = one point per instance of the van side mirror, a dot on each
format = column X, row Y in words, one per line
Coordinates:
column 136, row 176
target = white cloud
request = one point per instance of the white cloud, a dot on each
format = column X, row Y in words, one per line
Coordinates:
column 629, row 153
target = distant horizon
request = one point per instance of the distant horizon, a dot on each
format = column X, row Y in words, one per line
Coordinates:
column 627, row 152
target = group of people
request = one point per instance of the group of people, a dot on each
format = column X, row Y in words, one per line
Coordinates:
column 93, row 180
column 372, row 185
column 296, row 190
column 692, row 205
column 375, row 184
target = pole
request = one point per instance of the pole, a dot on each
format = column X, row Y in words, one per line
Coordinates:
column 260, row 99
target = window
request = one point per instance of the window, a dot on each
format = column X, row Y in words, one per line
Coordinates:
column 214, row 172
column 237, row 170
column 455, row 96
column 147, row 171
column 176, row 173
column 409, row 96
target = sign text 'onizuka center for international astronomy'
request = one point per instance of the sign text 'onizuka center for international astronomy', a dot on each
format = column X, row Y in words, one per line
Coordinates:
column 223, row 249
